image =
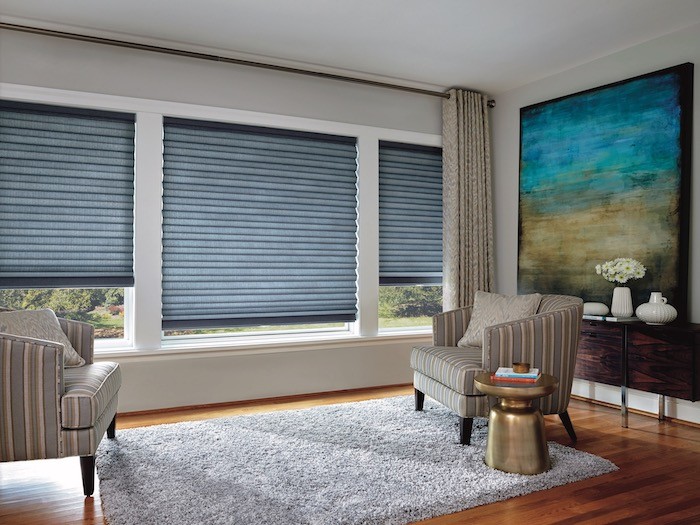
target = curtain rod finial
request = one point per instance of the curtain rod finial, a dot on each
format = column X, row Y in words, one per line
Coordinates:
column 491, row 103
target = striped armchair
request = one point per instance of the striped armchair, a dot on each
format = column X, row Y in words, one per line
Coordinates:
column 547, row 340
column 48, row 411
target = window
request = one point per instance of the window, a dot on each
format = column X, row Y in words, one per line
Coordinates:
column 259, row 228
column 66, row 208
column 410, row 235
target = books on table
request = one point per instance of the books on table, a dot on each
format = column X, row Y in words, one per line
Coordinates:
column 609, row 318
column 507, row 374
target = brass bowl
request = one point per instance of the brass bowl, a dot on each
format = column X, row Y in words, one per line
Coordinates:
column 521, row 368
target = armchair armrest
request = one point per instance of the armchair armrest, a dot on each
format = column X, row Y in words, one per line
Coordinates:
column 81, row 336
column 30, row 398
column 449, row 327
column 538, row 339
column 549, row 341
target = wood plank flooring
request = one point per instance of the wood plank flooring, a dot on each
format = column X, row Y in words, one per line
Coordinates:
column 658, row 481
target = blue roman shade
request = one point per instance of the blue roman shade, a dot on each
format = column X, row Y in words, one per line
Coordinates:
column 66, row 197
column 259, row 226
column 410, row 214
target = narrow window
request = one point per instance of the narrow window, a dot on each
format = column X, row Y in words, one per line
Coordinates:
column 410, row 235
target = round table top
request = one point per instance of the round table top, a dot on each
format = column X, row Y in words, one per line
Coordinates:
column 545, row 385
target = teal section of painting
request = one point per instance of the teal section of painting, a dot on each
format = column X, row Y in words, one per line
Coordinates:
column 600, row 178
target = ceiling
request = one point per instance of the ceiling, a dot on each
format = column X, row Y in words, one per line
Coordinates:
column 486, row 45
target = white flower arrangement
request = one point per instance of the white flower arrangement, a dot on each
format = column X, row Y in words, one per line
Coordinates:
column 621, row 270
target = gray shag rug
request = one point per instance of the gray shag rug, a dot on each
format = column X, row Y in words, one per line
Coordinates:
column 374, row 461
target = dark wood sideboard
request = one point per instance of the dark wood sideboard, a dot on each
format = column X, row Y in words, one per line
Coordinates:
column 664, row 359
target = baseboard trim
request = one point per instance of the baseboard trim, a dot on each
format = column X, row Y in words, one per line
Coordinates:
column 266, row 400
column 636, row 411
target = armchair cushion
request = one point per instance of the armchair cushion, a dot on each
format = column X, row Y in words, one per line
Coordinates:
column 88, row 391
column 492, row 309
column 43, row 325
column 451, row 366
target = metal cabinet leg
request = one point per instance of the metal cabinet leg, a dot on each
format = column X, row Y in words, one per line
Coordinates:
column 662, row 407
column 623, row 407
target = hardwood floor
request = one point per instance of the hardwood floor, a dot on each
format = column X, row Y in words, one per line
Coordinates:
column 658, row 481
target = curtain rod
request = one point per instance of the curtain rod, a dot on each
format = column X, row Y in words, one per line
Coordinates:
column 215, row 58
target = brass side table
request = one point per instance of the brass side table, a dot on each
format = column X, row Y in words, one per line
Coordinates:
column 516, row 437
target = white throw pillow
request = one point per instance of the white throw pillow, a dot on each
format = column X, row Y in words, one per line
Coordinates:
column 492, row 308
column 40, row 324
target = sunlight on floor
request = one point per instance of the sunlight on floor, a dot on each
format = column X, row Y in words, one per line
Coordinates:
column 49, row 475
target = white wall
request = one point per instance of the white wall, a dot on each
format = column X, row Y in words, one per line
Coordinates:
column 45, row 61
column 670, row 50
column 279, row 370
column 150, row 85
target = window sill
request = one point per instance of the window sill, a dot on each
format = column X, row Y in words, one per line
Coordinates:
column 252, row 346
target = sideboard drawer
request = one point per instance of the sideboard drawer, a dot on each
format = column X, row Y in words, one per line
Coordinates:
column 600, row 353
column 661, row 362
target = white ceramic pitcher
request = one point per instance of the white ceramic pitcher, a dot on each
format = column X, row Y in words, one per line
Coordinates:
column 656, row 311
column 657, row 297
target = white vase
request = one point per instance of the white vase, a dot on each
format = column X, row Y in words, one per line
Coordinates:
column 595, row 309
column 656, row 311
column 621, row 302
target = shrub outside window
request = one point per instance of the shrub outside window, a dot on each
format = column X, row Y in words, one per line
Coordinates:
column 405, row 307
column 103, row 308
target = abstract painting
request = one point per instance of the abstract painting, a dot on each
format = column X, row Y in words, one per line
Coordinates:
column 605, row 173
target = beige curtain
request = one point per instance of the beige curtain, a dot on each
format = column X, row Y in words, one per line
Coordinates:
column 467, row 208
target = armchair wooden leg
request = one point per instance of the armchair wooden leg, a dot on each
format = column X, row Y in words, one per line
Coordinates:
column 420, row 397
column 87, row 468
column 112, row 428
column 465, row 430
column 566, row 420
